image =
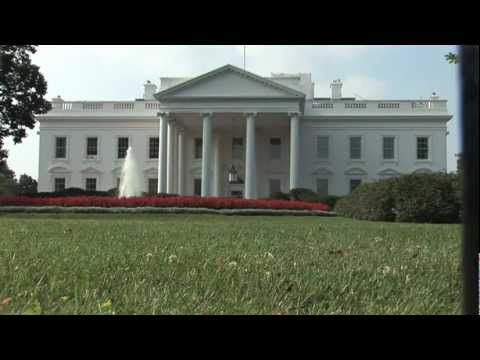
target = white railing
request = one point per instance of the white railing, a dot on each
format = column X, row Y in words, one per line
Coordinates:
column 375, row 107
column 104, row 106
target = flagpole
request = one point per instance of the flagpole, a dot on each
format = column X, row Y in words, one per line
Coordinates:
column 244, row 51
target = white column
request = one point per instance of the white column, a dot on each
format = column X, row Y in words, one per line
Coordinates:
column 216, row 161
column 206, row 154
column 162, row 153
column 294, row 150
column 181, row 163
column 170, row 156
column 250, row 166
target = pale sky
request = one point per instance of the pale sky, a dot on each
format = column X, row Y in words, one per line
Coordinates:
column 118, row 72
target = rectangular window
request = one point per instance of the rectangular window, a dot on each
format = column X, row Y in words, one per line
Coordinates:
column 122, row 147
column 153, row 148
column 197, row 187
column 237, row 148
column 354, row 183
column 91, row 184
column 275, row 186
column 61, row 147
column 422, row 148
column 198, row 148
column 152, row 186
column 59, row 184
column 322, row 147
column 388, row 147
column 322, row 187
column 275, row 148
column 355, row 147
column 92, row 146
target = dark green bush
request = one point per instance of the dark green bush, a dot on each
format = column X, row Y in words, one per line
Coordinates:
column 329, row 199
column 280, row 196
column 430, row 197
column 301, row 194
column 370, row 201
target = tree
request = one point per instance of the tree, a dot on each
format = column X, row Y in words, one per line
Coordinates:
column 452, row 58
column 26, row 185
column 22, row 91
column 8, row 183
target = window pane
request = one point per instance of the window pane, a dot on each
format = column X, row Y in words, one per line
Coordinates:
column 389, row 147
column 322, row 147
column 356, row 147
column 92, row 146
column 422, row 148
column 322, row 187
column 237, row 148
column 122, row 147
column 61, row 147
column 153, row 150
column 354, row 183
column 152, row 186
column 59, row 184
column 198, row 148
column 275, row 148
column 91, row 184
column 197, row 186
column 275, row 186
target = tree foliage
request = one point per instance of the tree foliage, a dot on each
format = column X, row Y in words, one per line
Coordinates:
column 22, row 91
column 26, row 185
column 452, row 58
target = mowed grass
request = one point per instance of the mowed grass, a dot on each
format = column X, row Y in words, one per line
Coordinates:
column 209, row 264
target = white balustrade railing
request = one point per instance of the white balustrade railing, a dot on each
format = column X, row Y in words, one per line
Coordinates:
column 375, row 106
column 105, row 107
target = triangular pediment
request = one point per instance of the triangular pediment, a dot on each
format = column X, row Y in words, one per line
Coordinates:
column 228, row 82
column 90, row 170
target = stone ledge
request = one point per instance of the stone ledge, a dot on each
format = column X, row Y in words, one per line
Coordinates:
column 158, row 210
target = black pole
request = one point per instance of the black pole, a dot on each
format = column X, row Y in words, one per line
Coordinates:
column 470, row 259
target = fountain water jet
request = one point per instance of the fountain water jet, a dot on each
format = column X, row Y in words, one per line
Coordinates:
column 130, row 181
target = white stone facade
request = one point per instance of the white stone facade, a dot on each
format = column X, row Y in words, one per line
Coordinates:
column 284, row 136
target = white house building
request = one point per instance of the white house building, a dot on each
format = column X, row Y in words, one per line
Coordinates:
column 192, row 135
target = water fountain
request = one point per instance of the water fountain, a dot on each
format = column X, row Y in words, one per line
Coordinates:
column 130, row 180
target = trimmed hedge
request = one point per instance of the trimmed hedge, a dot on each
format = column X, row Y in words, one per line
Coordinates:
column 427, row 198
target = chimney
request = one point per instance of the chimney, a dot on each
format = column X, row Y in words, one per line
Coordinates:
column 336, row 87
column 57, row 103
column 434, row 96
column 150, row 90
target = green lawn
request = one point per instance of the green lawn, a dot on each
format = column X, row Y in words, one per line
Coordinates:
column 209, row 264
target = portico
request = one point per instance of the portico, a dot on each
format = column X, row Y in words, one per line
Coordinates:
column 219, row 109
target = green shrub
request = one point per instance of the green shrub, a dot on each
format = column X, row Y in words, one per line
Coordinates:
column 370, row 201
column 329, row 199
column 280, row 196
column 301, row 194
column 429, row 197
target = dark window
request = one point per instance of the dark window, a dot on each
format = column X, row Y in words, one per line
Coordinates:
column 59, row 184
column 275, row 148
column 198, row 148
column 197, row 186
column 422, row 148
column 275, row 186
column 92, row 146
column 322, row 187
column 236, row 193
column 91, row 184
column 322, row 147
column 237, row 148
column 355, row 147
column 388, row 147
column 122, row 147
column 61, row 147
column 153, row 149
column 152, row 186
column 354, row 183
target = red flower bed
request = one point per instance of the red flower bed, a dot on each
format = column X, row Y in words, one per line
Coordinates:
column 177, row 201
